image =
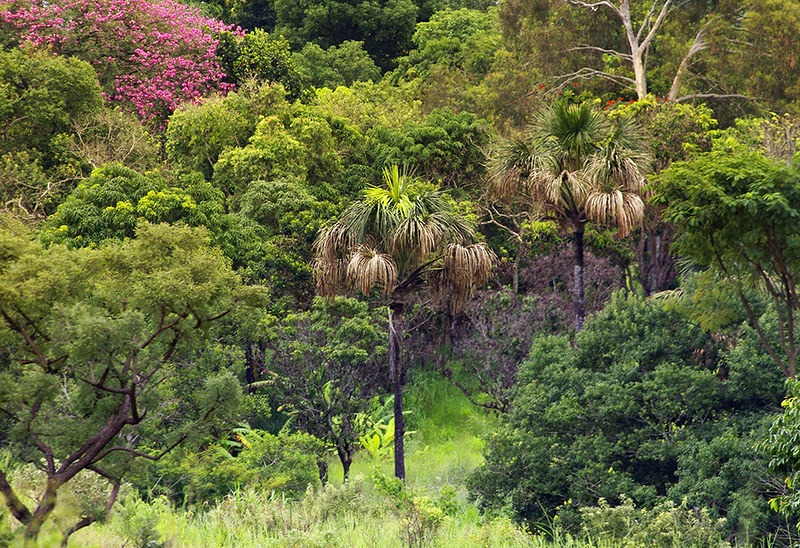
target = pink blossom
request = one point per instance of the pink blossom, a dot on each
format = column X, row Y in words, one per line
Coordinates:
column 151, row 55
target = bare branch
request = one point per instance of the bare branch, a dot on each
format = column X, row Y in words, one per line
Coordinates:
column 715, row 96
column 587, row 73
column 136, row 453
column 626, row 56
column 656, row 25
column 595, row 5
column 698, row 45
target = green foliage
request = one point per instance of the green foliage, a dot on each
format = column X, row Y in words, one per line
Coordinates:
column 114, row 200
column 463, row 39
column 327, row 365
column 336, row 66
column 302, row 146
column 137, row 520
column 420, row 519
column 261, row 57
column 666, row 525
column 677, row 131
column 198, row 134
column 629, row 410
column 445, row 147
column 283, row 463
column 368, row 105
column 385, row 29
column 41, row 97
column 90, row 335
column 738, row 210
column 783, row 446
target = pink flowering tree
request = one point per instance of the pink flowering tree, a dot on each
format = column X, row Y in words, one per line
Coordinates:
column 151, row 55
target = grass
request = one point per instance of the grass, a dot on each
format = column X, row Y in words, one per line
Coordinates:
column 445, row 446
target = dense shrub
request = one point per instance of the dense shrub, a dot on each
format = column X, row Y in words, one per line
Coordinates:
column 629, row 410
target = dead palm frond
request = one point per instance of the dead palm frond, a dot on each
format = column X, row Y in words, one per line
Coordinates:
column 622, row 210
column 369, row 268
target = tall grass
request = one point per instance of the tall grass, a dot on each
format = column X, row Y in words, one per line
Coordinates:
column 445, row 445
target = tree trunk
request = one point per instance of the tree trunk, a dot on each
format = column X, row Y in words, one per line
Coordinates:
column 322, row 465
column 43, row 511
column 346, row 458
column 656, row 264
column 639, row 72
column 396, row 377
column 579, row 302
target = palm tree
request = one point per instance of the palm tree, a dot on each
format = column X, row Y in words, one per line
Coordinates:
column 401, row 238
column 574, row 167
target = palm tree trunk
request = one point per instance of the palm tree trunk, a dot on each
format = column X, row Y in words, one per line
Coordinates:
column 579, row 301
column 396, row 377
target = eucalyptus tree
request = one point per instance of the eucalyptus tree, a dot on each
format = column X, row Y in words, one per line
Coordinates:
column 401, row 238
column 574, row 167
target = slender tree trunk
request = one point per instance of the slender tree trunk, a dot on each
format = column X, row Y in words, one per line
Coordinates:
column 346, row 458
column 322, row 466
column 447, row 340
column 579, row 302
column 396, row 377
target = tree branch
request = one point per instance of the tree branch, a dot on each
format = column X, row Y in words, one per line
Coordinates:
column 595, row 5
column 626, row 56
column 14, row 505
column 714, row 96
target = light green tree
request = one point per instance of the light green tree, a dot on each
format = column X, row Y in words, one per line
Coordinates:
column 401, row 238
column 87, row 339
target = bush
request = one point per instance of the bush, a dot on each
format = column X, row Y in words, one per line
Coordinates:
column 666, row 525
column 630, row 410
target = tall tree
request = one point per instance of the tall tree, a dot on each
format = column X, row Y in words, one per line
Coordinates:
column 574, row 167
column 635, row 47
column 87, row 338
column 402, row 238
column 738, row 209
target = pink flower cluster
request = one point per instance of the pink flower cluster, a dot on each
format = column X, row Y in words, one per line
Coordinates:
column 151, row 55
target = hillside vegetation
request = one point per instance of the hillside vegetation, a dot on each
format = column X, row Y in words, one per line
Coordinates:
column 399, row 273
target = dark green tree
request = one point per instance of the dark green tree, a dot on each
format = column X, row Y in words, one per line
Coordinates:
column 738, row 210
column 41, row 97
column 326, row 364
column 259, row 56
column 384, row 27
column 637, row 407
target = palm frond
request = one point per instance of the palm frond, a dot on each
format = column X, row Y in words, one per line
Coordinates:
column 369, row 268
column 623, row 210
column 464, row 268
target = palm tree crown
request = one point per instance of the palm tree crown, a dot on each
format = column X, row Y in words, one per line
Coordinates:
column 399, row 236
column 574, row 167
